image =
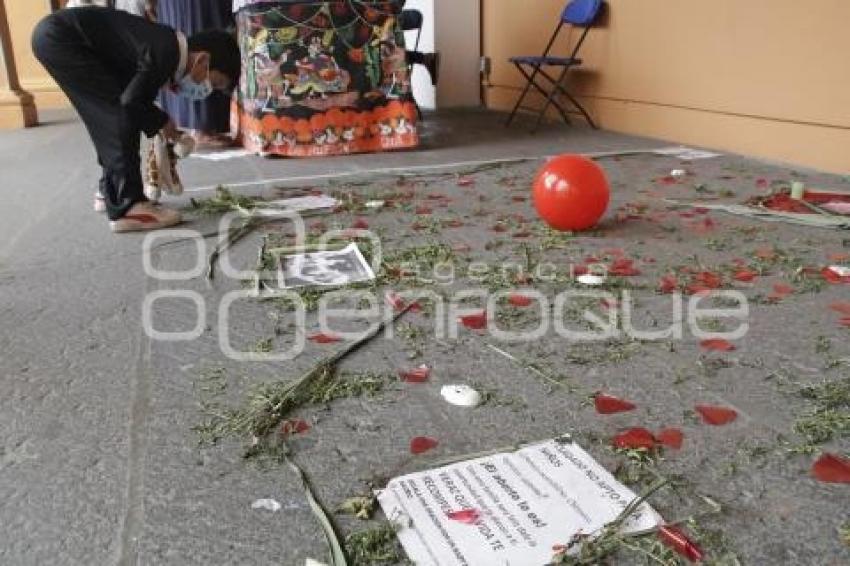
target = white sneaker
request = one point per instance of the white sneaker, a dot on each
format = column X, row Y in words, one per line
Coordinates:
column 153, row 193
column 99, row 203
column 144, row 216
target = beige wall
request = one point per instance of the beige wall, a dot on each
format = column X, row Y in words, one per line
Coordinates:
column 458, row 38
column 23, row 16
column 767, row 78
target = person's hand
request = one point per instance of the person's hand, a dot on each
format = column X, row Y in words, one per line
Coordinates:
column 170, row 131
column 150, row 10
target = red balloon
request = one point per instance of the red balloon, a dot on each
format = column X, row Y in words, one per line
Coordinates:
column 571, row 193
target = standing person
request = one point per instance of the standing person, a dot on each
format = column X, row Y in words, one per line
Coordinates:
column 208, row 120
column 112, row 65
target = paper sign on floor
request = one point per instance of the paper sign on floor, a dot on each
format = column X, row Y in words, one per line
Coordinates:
column 509, row 508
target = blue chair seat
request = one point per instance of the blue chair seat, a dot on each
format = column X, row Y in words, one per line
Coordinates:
column 545, row 60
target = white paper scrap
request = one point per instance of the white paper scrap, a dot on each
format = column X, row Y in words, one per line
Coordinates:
column 223, row 155
column 517, row 505
column 297, row 204
column 686, row 153
column 591, row 280
column 461, row 396
column 267, row 504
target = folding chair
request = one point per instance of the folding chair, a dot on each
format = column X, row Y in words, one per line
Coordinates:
column 578, row 14
column 413, row 20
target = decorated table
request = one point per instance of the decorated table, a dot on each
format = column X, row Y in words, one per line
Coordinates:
column 323, row 78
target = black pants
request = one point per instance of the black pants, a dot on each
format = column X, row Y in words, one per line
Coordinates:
column 95, row 92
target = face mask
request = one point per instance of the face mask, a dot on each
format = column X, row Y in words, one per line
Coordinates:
column 195, row 91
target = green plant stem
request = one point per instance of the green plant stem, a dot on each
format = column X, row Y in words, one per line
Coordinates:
column 335, row 550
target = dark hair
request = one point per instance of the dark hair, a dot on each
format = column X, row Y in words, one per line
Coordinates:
column 223, row 50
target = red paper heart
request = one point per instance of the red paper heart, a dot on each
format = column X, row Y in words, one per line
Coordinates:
column 668, row 284
column 476, row 321
column 422, row 444
column 831, row 468
column 634, row 438
column 671, row 437
column 832, row 276
column 399, row 304
column 678, row 541
column 579, row 270
column 716, row 416
column 609, row 405
column 466, row 516
column 322, row 338
column 782, row 290
column 717, row 345
column 708, row 279
column 294, row 426
column 418, row 375
column 623, row 267
column 841, row 307
column 520, row 300
column 360, row 224
column 745, row 276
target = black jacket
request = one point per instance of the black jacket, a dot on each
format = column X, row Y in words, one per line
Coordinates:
column 143, row 57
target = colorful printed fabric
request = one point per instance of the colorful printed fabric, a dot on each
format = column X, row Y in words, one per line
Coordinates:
column 324, row 78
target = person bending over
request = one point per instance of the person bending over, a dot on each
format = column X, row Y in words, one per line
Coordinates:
column 111, row 65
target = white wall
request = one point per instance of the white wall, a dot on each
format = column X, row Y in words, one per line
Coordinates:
column 423, row 90
column 452, row 27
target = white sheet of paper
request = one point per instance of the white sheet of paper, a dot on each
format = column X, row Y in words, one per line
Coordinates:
column 529, row 501
column 686, row 153
column 297, row 204
column 222, row 155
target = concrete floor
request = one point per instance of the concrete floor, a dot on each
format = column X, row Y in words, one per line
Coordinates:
column 98, row 461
